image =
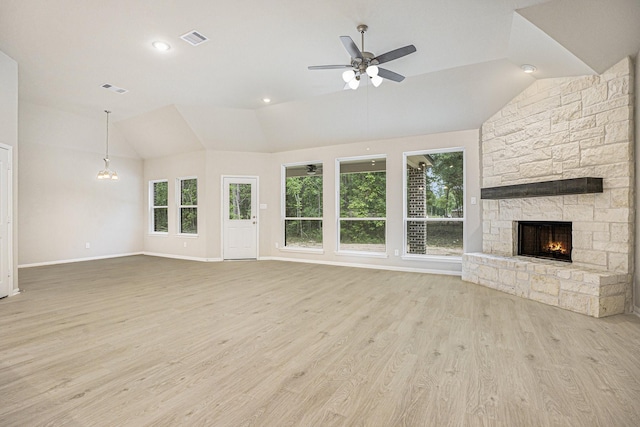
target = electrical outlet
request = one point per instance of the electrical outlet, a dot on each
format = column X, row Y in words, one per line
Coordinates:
column 87, row 245
column 185, row 244
column 396, row 252
column 277, row 245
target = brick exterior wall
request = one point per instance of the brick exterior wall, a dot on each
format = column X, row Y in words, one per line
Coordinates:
column 416, row 231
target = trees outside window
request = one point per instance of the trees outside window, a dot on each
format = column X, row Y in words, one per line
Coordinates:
column 159, row 206
column 362, row 205
column 239, row 201
column 434, row 219
column 188, row 205
column 303, row 206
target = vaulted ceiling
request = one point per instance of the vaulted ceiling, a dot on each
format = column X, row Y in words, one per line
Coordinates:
column 466, row 67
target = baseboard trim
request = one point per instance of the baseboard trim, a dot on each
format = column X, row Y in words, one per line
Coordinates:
column 370, row 266
column 308, row 261
column 15, row 292
column 183, row 257
column 68, row 261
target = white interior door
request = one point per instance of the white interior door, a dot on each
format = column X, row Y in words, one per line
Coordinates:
column 6, row 283
column 240, row 219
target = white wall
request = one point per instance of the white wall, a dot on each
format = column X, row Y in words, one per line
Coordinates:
column 9, row 136
column 63, row 205
column 210, row 166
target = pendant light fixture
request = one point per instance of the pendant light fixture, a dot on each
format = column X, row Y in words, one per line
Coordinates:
column 107, row 173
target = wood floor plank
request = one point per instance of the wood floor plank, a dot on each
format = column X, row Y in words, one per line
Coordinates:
column 139, row 341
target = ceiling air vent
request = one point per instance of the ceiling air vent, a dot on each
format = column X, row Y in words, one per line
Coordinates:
column 194, row 38
column 113, row 88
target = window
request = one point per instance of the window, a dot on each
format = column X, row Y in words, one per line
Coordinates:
column 303, row 206
column 239, row 201
column 188, row 206
column 362, row 205
column 434, row 212
column 158, row 195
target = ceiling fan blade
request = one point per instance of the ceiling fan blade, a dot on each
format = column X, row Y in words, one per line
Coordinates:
column 395, row 54
column 351, row 47
column 328, row 67
column 390, row 75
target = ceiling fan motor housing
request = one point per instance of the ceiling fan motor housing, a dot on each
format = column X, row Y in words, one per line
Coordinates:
column 361, row 64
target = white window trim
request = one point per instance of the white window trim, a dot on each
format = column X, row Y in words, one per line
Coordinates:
column 405, row 219
column 152, row 208
column 179, row 206
column 369, row 254
column 283, row 210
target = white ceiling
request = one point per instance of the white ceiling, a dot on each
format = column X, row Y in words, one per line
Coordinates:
column 210, row 96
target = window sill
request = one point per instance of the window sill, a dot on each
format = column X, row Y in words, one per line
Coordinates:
column 188, row 236
column 439, row 258
column 302, row 250
column 363, row 254
column 157, row 234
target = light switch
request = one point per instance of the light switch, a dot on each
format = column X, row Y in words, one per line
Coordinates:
column 263, row 206
column 474, row 201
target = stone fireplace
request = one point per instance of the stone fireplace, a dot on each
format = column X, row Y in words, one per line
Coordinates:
column 555, row 135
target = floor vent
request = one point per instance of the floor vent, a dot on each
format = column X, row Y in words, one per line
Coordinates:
column 113, row 88
column 194, row 38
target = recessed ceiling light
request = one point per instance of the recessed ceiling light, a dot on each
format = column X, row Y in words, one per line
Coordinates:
column 161, row 46
column 527, row 68
column 266, row 100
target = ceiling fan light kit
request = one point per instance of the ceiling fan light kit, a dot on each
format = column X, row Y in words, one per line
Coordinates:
column 365, row 63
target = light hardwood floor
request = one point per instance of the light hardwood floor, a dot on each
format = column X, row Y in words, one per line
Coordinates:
column 142, row 341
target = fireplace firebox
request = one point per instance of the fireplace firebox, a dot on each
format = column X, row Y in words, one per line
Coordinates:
column 545, row 239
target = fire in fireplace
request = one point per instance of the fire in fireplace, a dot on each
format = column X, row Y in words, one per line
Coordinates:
column 545, row 239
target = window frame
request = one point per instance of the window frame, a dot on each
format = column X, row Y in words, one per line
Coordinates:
column 283, row 209
column 153, row 207
column 406, row 219
column 180, row 206
column 339, row 218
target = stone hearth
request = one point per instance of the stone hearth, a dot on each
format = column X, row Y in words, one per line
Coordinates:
column 560, row 129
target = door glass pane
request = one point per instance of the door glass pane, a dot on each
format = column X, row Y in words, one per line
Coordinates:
column 239, row 201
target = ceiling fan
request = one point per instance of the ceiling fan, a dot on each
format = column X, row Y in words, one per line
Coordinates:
column 366, row 63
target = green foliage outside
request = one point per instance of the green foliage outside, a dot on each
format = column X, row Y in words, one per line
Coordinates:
column 445, row 184
column 240, row 201
column 189, row 197
column 160, row 214
column 303, row 199
column 363, row 195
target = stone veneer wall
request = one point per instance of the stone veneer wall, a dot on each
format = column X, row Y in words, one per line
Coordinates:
column 558, row 129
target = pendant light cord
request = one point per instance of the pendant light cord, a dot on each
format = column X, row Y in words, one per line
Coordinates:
column 108, row 112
